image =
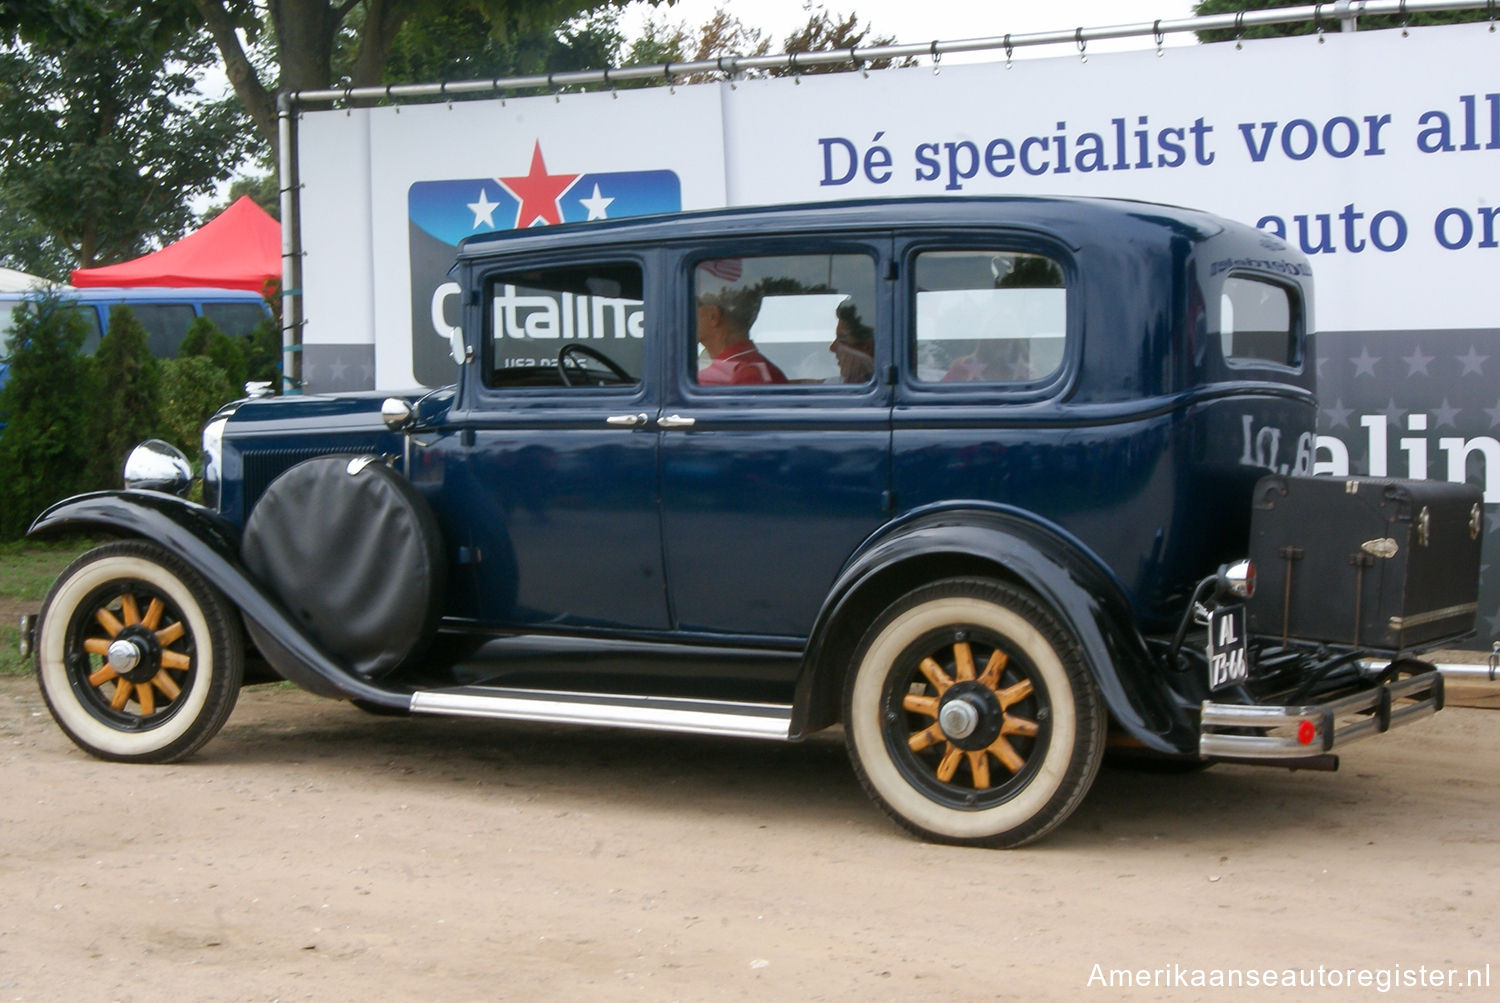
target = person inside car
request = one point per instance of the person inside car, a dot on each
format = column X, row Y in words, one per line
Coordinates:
column 726, row 311
column 853, row 345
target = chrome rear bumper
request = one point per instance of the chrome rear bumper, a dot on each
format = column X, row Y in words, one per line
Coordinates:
column 1263, row 732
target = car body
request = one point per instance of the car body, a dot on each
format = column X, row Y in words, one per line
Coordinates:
column 978, row 487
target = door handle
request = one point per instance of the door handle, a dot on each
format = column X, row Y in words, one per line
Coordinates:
column 675, row 421
column 628, row 420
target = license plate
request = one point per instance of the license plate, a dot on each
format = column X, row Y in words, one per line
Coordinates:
column 1228, row 661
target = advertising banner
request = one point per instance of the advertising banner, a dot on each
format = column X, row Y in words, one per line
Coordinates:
column 1376, row 153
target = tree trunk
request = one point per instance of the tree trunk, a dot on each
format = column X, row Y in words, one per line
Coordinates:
column 259, row 103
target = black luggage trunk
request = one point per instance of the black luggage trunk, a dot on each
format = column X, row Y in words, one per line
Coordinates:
column 1373, row 563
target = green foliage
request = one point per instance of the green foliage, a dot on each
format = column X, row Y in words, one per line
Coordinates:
column 129, row 382
column 30, row 247
column 464, row 42
column 726, row 35
column 262, row 188
column 48, row 406
column 103, row 134
column 204, row 338
column 192, row 389
column 263, row 354
column 1309, row 27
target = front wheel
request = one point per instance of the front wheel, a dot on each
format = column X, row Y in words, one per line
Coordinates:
column 137, row 656
column 970, row 717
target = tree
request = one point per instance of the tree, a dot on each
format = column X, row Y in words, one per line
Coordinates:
column 319, row 44
column 1330, row 22
column 458, row 43
column 129, row 382
column 825, row 32
column 30, row 247
column 205, row 339
column 725, row 35
column 192, row 389
column 44, row 453
column 103, row 136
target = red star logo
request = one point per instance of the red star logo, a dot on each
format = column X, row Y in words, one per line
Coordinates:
column 538, row 192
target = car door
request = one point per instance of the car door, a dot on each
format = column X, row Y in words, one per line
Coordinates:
column 560, row 461
column 775, row 427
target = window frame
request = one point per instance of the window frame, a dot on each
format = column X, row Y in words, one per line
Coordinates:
column 873, row 246
column 997, row 241
column 481, row 366
column 1297, row 332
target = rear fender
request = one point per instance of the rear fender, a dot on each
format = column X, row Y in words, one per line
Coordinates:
column 211, row 546
column 1010, row 546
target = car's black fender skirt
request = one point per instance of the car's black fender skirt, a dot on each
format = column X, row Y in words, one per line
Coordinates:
column 211, row 546
column 1008, row 544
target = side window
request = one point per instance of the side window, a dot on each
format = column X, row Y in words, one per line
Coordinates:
column 87, row 314
column 566, row 326
column 90, row 317
column 235, row 319
column 166, row 325
column 795, row 319
column 1256, row 322
column 988, row 317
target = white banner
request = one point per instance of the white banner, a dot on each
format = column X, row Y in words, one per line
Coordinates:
column 1377, row 153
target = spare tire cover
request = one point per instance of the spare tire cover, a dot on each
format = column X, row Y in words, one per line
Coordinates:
column 353, row 552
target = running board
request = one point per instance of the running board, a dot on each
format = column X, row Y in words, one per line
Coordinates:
column 696, row 717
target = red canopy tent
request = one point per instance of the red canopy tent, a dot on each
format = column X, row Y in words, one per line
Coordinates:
column 238, row 249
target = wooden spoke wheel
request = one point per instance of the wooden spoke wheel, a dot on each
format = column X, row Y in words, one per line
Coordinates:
column 970, row 717
column 137, row 656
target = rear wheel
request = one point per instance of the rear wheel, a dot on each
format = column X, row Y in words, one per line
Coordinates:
column 970, row 716
column 137, row 656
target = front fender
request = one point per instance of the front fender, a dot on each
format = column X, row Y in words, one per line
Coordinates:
column 211, row 546
column 1011, row 546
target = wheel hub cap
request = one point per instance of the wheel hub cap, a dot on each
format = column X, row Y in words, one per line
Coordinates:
column 958, row 719
column 124, row 656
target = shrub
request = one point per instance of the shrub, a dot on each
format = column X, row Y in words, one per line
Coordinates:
column 129, row 380
column 204, row 338
column 193, row 388
column 50, row 407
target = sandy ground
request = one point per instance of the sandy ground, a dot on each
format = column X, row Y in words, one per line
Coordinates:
column 314, row 852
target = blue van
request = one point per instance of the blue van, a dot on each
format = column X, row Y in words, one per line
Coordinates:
column 165, row 313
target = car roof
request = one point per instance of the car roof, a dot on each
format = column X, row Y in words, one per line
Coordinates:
column 1074, row 219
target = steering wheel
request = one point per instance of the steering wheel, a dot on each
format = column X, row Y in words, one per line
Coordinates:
column 564, row 360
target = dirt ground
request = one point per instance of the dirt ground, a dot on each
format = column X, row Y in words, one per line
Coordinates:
column 314, row 852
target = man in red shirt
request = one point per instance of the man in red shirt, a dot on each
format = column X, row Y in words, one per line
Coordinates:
column 725, row 316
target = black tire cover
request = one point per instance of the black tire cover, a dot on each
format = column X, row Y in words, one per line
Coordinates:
column 353, row 552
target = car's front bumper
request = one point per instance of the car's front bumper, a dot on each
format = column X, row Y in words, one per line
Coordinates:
column 1271, row 732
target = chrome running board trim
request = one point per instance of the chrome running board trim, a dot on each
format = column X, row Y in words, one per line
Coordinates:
column 695, row 717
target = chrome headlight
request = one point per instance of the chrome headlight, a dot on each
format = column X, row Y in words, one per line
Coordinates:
column 213, row 457
column 158, row 466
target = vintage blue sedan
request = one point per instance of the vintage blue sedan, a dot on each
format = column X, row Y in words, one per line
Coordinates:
column 989, row 482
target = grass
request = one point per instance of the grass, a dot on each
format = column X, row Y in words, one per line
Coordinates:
column 27, row 570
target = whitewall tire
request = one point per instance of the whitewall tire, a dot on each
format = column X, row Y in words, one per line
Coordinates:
column 970, row 716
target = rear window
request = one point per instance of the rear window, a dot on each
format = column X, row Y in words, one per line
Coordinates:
column 1257, row 321
column 989, row 317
